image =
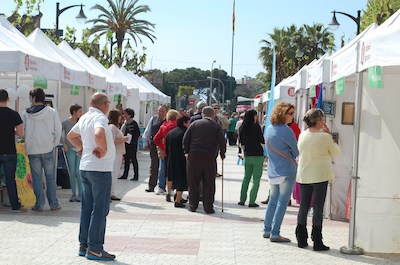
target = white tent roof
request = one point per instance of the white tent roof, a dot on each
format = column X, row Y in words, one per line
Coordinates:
column 315, row 72
column 127, row 81
column 17, row 54
column 288, row 86
column 114, row 85
column 343, row 62
column 96, row 79
column 71, row 72
column 166, row 99
column 155, row 93
column 156, row 96
column 144, row 94
column 381, row 47
column 142, row 87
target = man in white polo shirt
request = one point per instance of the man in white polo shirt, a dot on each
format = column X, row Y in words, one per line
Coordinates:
column 92, row 136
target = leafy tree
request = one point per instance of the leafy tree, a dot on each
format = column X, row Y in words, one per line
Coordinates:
column 378, row 11
column 27, row 22
column 121, row 18
column 313, row 40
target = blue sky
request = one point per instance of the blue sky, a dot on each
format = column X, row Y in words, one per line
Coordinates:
column 195, row 33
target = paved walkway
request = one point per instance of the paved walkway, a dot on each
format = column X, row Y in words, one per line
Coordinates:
column 145, row 229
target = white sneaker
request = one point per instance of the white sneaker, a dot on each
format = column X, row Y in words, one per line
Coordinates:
column 160, row 191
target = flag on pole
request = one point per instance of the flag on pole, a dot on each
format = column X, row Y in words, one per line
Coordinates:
column 233, row 17
column 271, row 95
column 319, row 103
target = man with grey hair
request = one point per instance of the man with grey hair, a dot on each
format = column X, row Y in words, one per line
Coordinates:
column 93, row 138
column 200, row 142
column 198, row 115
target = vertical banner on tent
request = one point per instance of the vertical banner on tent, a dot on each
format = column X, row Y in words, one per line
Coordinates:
column 40, row 82
column 340, row 86
column 375, row 77
column 74, row 90
column 271, row 96
column 319, row 103
column 312, row 93
column 116, row 98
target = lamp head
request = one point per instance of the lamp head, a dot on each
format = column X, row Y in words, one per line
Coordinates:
column 81, row 18
column 334, row 24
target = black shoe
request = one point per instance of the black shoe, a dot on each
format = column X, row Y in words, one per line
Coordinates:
column 184, row 201
column 134, row 179
column 179, row 205
column 210, row 212
column 149, row 190
column 168, row 198
column 266, row 201
column 192, row 210
column 123, row 177
column 241, row 203
column 115, row 198
column 253, row 205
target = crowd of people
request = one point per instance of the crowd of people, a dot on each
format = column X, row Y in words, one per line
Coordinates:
column 183, row 149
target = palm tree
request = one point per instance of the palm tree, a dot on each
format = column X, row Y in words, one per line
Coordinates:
column 121, row 18
column 313, row 40
column 317, row 41
column 281, row 41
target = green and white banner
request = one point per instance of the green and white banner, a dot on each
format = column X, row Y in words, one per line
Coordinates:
column 375, row 77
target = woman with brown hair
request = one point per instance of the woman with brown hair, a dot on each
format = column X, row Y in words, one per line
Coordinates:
column 282, row 152
column 114, row 120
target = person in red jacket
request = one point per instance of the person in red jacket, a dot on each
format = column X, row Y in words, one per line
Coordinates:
column 296, row 190
column 159, row 141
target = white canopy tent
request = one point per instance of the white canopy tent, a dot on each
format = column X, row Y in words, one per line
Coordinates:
column 377, row 196
column 143, row 115
column 22, row 61
column 165, row 99
column 96, row 79
column 19, row 55
column 114, row 85
column 341, row 64
column 72, row 74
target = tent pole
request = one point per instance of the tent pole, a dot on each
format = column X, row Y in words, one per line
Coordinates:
column 58, row 96
column 351, row 249
column 16, row 89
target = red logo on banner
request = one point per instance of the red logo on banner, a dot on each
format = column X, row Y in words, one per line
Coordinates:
column 362, row 53
column 291, row 91
column 26, row 62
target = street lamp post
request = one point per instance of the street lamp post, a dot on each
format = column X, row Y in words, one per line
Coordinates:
column 334, row 24
column 112, row 42
column 211, row 81
column 80, row 18
column 223, row 88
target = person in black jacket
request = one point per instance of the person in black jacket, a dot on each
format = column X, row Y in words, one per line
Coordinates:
column 130, row 126
column 251, row 139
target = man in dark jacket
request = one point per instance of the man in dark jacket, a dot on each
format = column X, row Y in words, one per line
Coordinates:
column 151, row 129
column 130, row 126
column 200, row 142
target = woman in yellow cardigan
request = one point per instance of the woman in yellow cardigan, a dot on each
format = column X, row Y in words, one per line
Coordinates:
column 316, row 149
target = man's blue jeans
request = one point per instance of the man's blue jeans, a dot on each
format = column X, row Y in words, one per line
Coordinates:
column 74, row 172
column 161, row 174
column 44, row 162
column 9, row 163
column 95, row 206
column 278, row 201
